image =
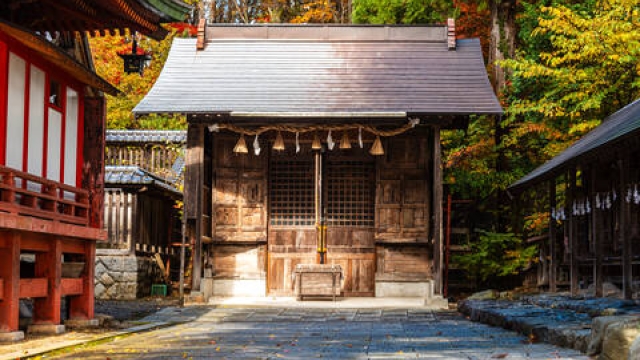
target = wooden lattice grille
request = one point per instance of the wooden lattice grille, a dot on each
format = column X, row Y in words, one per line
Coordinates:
column 350, row 193
column 291, row 191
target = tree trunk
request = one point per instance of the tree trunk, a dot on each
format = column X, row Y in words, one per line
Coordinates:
column 503, row 39
column 502, row 46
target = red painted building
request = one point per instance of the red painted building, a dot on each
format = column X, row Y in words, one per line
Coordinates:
column 52, row 119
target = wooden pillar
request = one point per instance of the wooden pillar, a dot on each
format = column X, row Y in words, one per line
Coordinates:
column 627, row 270
column 437, row 210
column 593, row 233
column 93, row 157
column 81, row 307
column 10, row 281
column 553, row 261
column 573, row 248
column 48, row 265
column 193, row 193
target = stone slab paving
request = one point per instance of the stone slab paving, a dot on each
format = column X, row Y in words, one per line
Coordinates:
column 258, row 333
column 556, row 319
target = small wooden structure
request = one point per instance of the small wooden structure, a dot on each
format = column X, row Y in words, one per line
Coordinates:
column 318, row 144
column 52, row 117
column 593, row 198
column 317, row 280
column 142, row 179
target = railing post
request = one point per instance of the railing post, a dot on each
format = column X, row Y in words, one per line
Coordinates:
column 9, row 195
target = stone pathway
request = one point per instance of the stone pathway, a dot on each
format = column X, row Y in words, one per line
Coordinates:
column 295, row 333
column 577, row 323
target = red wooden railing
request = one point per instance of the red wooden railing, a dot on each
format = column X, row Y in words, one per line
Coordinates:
column 25, row 194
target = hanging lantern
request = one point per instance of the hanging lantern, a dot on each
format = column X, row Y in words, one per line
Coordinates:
column 137, row 60
column 279, row 144
column 376, row 148
column 241, row 146
column 344, row 142
column 316, row 145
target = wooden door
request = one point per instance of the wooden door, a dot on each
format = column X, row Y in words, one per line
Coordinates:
column 350, row 200
column 292, row 234
column 349, row 188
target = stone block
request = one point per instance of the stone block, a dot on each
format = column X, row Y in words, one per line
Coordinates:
column 130, row 277
column 45, row 329
column 402, row 289
column 129, row 264
column 239, row 287
column 112, row 263
column 99, row 291
column 634, row 351
column 618, row 339
column 100, row 268
column 12, row 336
column 599, row 327
column 484, row 295
column 106, row 279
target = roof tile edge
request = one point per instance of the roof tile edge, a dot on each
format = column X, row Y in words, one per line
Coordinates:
column 324, row 32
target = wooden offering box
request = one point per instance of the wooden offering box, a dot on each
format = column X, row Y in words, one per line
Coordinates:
column 317, row 280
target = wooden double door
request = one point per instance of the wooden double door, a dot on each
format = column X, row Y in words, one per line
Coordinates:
column 347, row 193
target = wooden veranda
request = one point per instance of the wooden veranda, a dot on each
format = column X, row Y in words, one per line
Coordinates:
column 592, row 191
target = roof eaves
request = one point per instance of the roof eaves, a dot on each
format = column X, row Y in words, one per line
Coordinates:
column 605, row 135
column 58, row 57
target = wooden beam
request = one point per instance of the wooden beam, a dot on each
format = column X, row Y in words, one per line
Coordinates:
column 627, row 252
column 593, row 233
column 194, row 176
column 437, row 209
column 553, row 262
column 46, row 310
column 30, row 224
column 573, row 244
column 81, row 307
column 71, row 286
column 10, row 275
column 33, row 288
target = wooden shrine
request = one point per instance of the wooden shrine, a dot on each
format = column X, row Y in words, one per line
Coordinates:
column 318, row 145
column 52, row 119
column 592, row 193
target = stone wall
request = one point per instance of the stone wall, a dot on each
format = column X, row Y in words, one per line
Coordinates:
column 120, row 275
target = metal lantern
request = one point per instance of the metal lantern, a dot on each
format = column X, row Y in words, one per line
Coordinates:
column 134, row 62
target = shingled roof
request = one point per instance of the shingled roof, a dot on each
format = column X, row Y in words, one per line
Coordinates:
column 136, row 176
column 618, row 127
column 323, row 71
column 146, row 136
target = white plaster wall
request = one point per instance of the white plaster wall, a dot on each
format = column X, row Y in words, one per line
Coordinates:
column 15, row 111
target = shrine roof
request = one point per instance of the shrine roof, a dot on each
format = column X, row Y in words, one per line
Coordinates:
column 614, row 130
column 57, row 56
column 136, row 176
column 146, row 136
column 289, row 71
column 52, row 16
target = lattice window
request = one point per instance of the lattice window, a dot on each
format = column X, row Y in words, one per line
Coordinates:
column 350, row 192
column 291, row 191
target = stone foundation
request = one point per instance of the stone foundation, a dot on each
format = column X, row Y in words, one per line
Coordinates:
column 120, row 275
column 237, row 287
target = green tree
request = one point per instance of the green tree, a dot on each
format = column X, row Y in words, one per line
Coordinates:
column 133, row 87
column 401, row 11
